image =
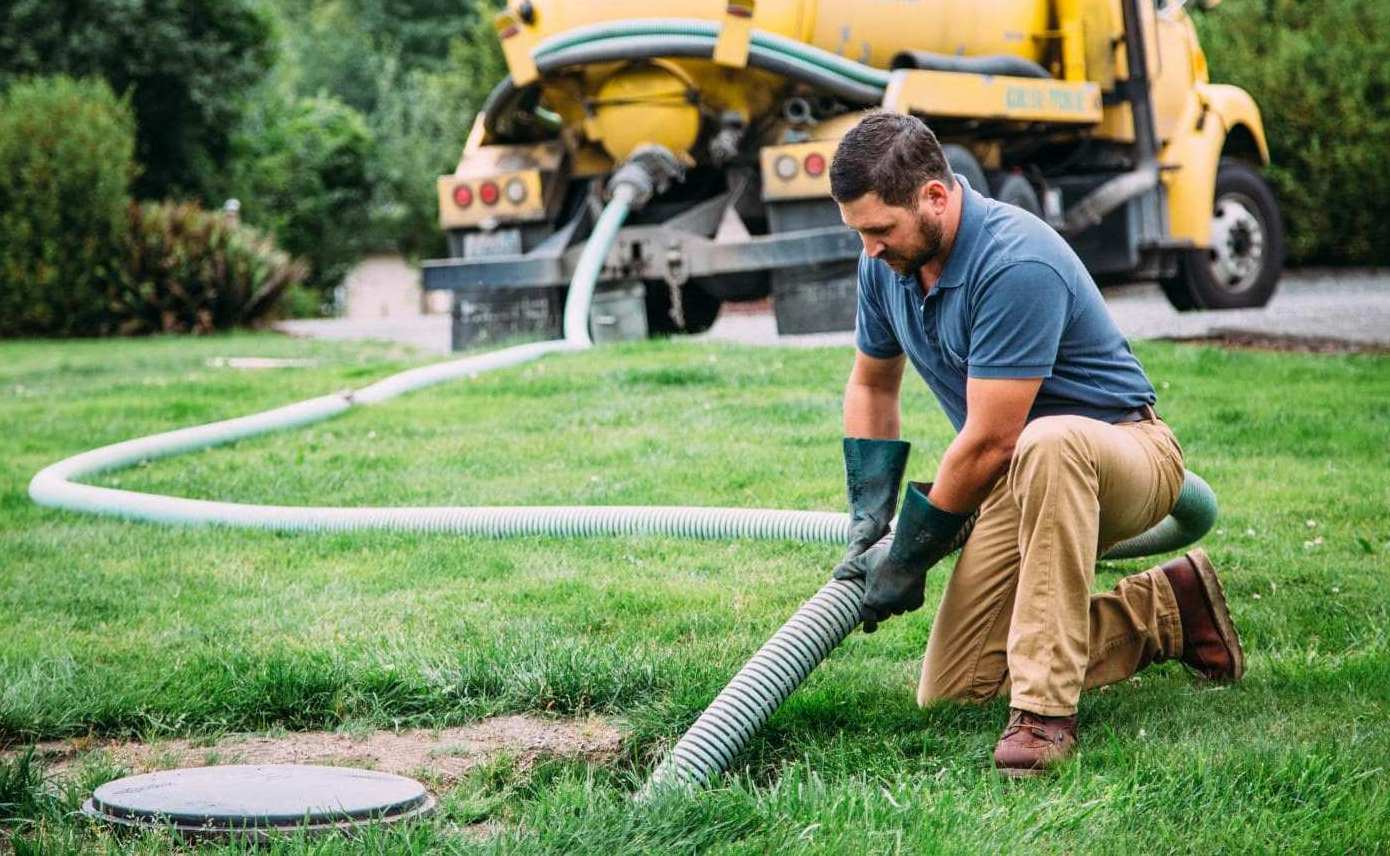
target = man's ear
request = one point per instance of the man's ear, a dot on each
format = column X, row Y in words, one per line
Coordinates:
column 934, row 196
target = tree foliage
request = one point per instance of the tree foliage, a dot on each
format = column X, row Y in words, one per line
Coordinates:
column 345, row 47
column 301, row 173
column 421, row 122
column 337, row 152
column 184, row 64
column 1320, row 72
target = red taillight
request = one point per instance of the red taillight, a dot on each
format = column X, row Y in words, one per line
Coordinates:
column 463, row 196
column 814, row 164
column 489, row 193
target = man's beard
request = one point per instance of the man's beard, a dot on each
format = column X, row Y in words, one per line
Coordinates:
column 932, row 238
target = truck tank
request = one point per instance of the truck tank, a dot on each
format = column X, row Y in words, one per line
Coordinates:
column 868, row 31
column 1096, row 116
column 623, row 105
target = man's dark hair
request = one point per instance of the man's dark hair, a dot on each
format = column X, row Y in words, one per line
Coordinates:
column 891, row 154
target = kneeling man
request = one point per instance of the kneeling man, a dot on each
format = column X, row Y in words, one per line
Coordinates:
column 1059, row 453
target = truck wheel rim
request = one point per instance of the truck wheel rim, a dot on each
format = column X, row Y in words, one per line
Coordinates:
column 1237, row 243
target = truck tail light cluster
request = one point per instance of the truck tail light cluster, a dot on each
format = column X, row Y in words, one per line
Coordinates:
column 787, row 167
column 489, row 193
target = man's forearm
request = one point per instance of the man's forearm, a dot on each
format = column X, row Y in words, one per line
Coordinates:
column 968, row 472
column 871, row 412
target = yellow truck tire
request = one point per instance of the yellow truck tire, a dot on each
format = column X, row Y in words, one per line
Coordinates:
column 1246, row 258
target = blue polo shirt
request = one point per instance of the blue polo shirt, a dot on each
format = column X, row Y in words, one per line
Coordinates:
column 1014, row 301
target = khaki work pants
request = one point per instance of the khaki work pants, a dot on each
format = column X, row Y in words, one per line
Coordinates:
column 1018, row 615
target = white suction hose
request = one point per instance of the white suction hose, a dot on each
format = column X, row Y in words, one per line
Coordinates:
column 581, row 293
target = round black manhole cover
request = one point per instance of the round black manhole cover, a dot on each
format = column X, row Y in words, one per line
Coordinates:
column 259, row 799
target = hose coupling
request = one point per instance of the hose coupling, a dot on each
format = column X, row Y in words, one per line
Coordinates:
column 649, row 171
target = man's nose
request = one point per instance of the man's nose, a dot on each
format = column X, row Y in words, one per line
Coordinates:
column 872, row 247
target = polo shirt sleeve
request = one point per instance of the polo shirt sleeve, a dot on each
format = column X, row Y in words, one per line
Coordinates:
column 873, row 334
column 1019, row 316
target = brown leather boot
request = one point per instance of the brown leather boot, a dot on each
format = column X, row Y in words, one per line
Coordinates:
column 1032, row 743
column 1210, row 645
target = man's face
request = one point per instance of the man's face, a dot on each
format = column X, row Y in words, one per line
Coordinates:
column 905, row 238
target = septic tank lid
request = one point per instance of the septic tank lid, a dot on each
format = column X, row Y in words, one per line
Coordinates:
column 260, row 798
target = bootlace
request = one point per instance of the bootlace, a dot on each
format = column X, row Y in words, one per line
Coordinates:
column 1025, row 720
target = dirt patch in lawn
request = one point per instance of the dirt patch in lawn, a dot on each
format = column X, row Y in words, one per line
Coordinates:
column 1248, row 341
column 443, row 755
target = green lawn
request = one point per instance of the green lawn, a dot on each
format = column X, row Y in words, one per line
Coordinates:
column 133, row 630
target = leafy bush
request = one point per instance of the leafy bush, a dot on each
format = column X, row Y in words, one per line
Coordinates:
column 192, row 271
column 1320, row 73
column 66, row 162
column 300, row 172
column 184, row 64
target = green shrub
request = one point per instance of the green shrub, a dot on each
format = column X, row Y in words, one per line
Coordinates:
column 184, row 64
column 300, row 173
column 1320, row 72
column 66, row 163
column 191, row 271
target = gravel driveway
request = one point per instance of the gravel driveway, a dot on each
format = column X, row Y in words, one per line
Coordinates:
column 1351, row 306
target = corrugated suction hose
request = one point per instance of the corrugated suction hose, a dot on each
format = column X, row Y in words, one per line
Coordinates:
column 743, row 706
column 822, row 623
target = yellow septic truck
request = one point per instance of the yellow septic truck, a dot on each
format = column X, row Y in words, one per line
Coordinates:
column 1095, row 115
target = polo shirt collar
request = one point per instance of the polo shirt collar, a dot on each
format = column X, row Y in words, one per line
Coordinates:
column 972, row 218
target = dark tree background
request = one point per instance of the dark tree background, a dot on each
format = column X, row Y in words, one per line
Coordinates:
column 186, row 66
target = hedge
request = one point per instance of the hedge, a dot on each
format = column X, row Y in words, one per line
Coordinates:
column 1320, row 72
column 66, row 163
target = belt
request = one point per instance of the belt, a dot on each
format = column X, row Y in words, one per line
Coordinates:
column 1140, row 414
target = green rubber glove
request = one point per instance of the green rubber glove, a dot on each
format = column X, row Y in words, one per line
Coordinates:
column 894, row 570
column 873, row 475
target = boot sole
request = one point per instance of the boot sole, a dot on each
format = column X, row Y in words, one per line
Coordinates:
column 1216, row 599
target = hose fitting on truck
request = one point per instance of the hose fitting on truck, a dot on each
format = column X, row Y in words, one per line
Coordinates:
column 649, row 170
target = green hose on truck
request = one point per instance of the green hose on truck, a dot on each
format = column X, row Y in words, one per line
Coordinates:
column 755, row 692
